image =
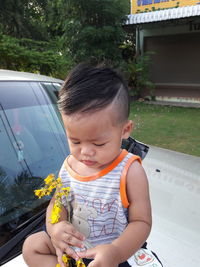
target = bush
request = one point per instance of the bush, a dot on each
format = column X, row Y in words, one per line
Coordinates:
column 138, row 76
column 32, row 56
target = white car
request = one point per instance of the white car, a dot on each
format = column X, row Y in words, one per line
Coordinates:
column 33, row 144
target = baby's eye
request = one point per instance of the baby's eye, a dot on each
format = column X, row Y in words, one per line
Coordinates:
column 100, row 144
column 75, row 143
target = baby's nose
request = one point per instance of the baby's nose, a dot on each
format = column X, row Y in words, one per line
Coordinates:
column 87, row 151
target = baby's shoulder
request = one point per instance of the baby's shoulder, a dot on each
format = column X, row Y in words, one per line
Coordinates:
column 135, row 169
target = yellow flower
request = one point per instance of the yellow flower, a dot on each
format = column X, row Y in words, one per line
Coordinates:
column 66, row 190
column 50, row 184
column 58, row 180
column 54, row 218
column 49, row 179
column 56, row 208
column 80, row 263
column 55, row 213
column 66, row 259
column 40, row 192
column 59, row 195
column 50, row 188
column 48, row 192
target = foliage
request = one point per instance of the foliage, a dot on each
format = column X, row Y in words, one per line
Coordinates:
column 26, row 43
column 24, row 18
column 139, row 75
column 32, row 56
column 128, row 48
column 91, row 30
column 136, row 67
column 50, row 37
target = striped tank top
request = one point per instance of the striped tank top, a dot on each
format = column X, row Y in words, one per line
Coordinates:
column 99, row 202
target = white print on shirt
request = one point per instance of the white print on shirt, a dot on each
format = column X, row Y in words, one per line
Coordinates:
column 99, row 220
column 142, row 257
column 81, row 213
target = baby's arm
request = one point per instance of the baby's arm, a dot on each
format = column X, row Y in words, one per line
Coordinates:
column 63, row 234
column 139, row 213
column 139, row 226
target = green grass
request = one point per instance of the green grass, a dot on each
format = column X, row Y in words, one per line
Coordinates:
column 175, row 128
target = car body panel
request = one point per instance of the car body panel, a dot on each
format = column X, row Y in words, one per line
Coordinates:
column 18, row 261
column 174, row 180
column 10, row 75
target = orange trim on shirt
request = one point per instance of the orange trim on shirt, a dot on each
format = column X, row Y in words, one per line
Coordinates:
column 123, row 193
column 99, row 174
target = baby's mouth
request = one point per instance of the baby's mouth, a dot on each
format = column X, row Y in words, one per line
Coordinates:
column 88, row 162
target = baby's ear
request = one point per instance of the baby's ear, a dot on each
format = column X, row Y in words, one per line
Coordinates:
column 127, row 129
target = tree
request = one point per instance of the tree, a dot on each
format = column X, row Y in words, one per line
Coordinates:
column 92, row 29
column 32, row 56
column 26, row 44
column 48, row 36
column 23, row 18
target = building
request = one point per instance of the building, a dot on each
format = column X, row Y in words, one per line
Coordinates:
column 171, row 30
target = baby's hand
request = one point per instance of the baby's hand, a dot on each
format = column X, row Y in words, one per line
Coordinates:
column 103, row 255
column 64, row 235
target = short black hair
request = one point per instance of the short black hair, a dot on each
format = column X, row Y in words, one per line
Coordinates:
column 91, row 88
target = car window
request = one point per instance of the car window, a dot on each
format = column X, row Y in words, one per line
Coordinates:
column 52, row 89
column 32, row 145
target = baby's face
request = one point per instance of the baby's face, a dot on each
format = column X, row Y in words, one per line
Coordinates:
column 94, row 140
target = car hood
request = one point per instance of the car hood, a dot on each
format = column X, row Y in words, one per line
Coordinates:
column 174, row 180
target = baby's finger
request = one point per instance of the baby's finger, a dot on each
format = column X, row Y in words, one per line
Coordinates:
column 59, row 254
column 72, row 241
column 88, row 254
column 72, row 230
column 70, row 252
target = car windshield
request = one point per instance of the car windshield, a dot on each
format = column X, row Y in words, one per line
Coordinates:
column 32, row 145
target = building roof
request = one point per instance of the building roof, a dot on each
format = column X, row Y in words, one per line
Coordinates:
column 166, row 14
